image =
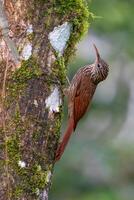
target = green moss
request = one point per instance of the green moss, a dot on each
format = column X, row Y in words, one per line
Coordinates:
column 76, row 12
column 58, row 122
column 59, row 70
column 17, row 193
column 13, row 142
column 38, row 179
column 36, row 135
column 32, row 180
column 13, row 149
column 62, row 69
column 32, row 177
column 29, row 69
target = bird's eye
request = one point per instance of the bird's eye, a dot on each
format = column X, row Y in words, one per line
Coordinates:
column 98, row 65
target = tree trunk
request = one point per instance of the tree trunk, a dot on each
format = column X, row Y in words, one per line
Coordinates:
column 37, row 38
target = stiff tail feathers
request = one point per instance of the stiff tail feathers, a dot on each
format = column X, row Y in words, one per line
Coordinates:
column 66, row 137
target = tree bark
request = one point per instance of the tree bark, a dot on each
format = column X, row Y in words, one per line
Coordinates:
column 37, row 38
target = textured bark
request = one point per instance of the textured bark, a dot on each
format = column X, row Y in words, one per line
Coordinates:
column 32, row 76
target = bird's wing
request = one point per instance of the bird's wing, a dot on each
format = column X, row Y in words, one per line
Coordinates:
column 83, row 96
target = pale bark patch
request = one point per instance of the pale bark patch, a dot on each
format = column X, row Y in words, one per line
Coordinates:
column 59, row 37
column 53, row 101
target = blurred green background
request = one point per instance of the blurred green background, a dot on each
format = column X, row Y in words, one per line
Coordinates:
column 98, row 164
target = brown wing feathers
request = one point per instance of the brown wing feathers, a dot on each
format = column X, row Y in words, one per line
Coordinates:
column 81, row 101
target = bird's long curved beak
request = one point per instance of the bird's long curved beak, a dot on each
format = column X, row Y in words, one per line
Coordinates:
column 97, row 53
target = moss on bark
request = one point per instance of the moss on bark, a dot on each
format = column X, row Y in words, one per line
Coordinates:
column 30, row 131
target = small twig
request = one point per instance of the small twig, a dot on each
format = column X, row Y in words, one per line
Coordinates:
column 68, row 81
column 4, row 126
column 4, row 80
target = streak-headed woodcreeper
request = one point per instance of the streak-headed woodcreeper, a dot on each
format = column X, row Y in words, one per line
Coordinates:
column 80, row 93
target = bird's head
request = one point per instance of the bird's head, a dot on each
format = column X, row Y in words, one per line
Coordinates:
column 100, row 68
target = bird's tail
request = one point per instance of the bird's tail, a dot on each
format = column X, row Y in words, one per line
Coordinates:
column 62, row 145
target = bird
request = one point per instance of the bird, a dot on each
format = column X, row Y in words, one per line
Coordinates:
column 80, row 93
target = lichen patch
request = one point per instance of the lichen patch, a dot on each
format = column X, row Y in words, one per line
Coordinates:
column 27, row 51
column 35, row 103
column 44, row 195
column 53, row 102
column 30, row 29
column 59, row 37
column 22, row 164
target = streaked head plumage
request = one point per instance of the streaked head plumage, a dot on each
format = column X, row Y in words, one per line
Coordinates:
column 100, row 68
